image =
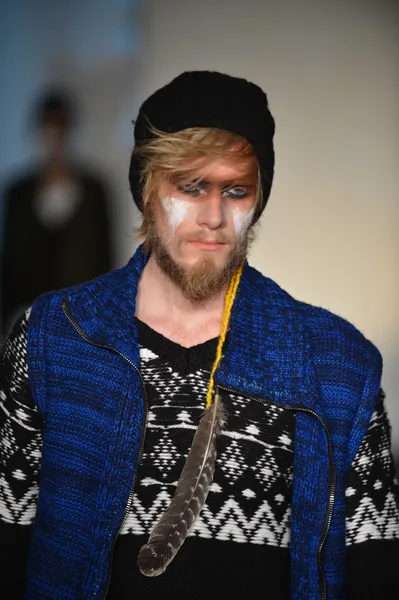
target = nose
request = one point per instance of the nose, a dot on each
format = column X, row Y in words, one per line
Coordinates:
column 211, row 213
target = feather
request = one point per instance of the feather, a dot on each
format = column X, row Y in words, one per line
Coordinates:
column 171, row 530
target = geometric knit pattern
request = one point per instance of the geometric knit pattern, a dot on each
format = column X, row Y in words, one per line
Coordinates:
column 372, row 490
column 250, row 497
column 20, row 433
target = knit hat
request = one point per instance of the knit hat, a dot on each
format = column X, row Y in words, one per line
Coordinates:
column 208, row 99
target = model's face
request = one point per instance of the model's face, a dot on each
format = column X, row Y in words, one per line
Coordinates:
column 201, row 222
column 207, row 216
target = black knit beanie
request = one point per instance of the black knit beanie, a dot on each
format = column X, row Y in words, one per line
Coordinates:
column 208, row 99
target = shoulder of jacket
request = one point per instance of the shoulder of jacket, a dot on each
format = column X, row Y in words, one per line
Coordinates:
column 339, row 335
column 82, row 290
column 329, row 332
column 24, row 180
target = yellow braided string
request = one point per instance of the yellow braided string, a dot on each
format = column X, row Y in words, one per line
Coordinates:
column 228, row 305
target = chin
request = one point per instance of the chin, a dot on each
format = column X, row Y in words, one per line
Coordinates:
column 203, row 260
column 220, row 256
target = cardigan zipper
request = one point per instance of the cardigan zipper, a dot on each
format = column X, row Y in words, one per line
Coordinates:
column 80, row 331
column 332, row 475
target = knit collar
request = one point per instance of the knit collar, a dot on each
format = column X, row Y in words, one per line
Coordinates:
column 268, row 354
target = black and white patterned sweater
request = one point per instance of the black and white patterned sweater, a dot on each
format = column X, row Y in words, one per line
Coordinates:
column 240, row 543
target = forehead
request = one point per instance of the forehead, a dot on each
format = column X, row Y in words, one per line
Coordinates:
column 231, row 167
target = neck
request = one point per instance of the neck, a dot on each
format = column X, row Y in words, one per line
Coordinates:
column 163, row 306
column 56, row 169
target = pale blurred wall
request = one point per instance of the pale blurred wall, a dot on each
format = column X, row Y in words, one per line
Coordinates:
column 330, row 232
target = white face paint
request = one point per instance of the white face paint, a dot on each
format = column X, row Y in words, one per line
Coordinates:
column 242, row 220
column 176, row 210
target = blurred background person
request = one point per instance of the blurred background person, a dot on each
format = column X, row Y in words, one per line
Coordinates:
column 56, row 230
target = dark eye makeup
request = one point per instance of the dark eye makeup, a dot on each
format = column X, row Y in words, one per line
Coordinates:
column 197, row 188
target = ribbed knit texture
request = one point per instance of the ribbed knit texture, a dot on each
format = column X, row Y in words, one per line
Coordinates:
column 280, row 349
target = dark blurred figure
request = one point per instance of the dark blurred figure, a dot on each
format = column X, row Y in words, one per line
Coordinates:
column 56, row 225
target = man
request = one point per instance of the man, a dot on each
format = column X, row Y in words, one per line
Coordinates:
column 56, row 226
column 104, row 385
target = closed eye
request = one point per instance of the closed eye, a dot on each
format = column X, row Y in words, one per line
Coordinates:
column 192, row 188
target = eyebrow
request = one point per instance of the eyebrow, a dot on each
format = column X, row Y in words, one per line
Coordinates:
column 223, row 184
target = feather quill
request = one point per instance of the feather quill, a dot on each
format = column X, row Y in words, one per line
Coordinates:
column 170, row 532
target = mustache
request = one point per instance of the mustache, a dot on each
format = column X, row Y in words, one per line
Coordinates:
column 203, row 236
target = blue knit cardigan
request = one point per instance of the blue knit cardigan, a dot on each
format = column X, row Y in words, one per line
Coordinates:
column 83, row 361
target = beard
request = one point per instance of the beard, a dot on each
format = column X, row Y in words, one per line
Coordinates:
column 204, row 280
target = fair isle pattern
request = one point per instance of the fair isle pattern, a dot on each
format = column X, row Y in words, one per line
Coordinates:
column 20, row 439
column 372, row 491
column 250, row 498
column 235, row 510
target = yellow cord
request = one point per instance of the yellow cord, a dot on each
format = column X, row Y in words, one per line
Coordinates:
column 228, row 305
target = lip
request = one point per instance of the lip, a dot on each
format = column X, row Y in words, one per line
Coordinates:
column 208, row 245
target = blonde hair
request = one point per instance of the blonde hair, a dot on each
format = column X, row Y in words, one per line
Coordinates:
column 166, row 154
